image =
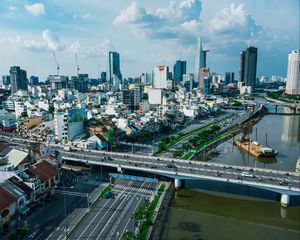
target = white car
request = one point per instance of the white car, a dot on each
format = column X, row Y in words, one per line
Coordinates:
column 246, row 174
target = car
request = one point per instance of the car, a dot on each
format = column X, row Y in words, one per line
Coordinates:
column 283, row 182
column 238, row 177
column 259, row 179
column 246, row 174
column 153, row 166
column 191, row 169
column 158, row 159
column 170, row 166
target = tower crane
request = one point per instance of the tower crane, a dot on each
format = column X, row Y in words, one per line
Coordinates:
column 57, row 66
column 78, row 68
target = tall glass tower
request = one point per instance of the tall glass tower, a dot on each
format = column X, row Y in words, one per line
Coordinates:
column 200, row 62
column 114, row 65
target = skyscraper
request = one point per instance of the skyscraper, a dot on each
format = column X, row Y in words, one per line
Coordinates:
column 293, row 73
column 160, row 76
column 200, row 59
column 178, row 70
column 248, row 65
column 229, row 77
column 114, row 65
column 18, row 79
column 205, row 72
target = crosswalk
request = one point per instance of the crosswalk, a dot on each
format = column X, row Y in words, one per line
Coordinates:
column 135, row 189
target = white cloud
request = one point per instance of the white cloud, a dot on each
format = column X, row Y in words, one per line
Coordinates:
column 49, row 41
column 86, row 16
column 234, row 20
column 35, row 9
column 100, row 50
column 52, row 40
column 176, row 21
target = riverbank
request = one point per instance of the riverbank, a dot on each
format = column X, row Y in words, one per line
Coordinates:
column 195, row 215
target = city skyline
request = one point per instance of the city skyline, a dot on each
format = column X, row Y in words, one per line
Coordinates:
column 94, row 29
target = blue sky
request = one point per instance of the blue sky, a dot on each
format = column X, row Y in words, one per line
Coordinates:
column 146, row 33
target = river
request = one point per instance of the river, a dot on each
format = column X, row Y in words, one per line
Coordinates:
column 198, row 214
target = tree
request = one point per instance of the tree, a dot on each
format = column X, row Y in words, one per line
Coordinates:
column 111, row 138
column 145, row 96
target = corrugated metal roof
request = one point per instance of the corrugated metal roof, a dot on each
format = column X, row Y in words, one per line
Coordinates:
column 15, row 157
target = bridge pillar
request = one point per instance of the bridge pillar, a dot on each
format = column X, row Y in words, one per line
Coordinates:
column 276, row 108
column 119, row 169
column 285, row 200
column 177, row 183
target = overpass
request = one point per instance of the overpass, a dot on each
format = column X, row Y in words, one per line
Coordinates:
column 283, row 182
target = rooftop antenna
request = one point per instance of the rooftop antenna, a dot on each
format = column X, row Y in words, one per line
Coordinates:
column 57, row 66
column 78, row 68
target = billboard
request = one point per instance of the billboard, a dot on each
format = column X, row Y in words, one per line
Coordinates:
column 76, row 115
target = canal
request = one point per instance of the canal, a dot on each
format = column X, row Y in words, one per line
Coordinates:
column 201, row 214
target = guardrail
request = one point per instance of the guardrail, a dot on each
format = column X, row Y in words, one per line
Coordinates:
column 178, row 174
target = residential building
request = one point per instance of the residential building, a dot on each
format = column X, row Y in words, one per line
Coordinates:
column 160, row 76
column 293, row 73
column 18, row 79
column 155, row 96
column 132, row 98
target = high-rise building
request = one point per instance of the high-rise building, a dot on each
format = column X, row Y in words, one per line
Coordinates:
column 248, row 65
column 229, row 77
column 33, row 80
column 205, row 72
column 160, row 76
column 200, row 59
column 18, row 79
column 58, row 82
column 146, row 78
column 293, row 73
column 178, row 70
column 188, row 81
column 103, row 77
column 132, row 98
column 114, row 65
column 5, row 79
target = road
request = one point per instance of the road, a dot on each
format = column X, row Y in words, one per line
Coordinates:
column 189, row 169
column 112, row 217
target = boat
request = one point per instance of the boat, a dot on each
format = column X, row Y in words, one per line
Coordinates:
column 254, row 148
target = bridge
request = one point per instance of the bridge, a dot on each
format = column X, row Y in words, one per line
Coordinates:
column 283, row 182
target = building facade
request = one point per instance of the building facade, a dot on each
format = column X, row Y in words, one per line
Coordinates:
column 18, row 79
column 114, row 65
column 248, row 66
column 160, row 76
column 178, row 70
column 293, row 73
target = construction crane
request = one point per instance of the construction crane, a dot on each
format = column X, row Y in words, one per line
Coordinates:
column 78, row 68
column 57, row 66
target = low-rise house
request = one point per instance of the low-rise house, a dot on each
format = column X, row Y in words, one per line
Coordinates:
column 8, row 209
column 100, row 141
column 48, row 174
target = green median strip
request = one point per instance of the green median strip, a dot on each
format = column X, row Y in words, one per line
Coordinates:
column 185, row 135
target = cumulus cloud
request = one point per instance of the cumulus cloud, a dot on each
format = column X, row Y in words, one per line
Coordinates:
column 35, row 9
column 234, row 20
column 52, row 40
column 232, row 29
column 49, row 41
column 175, row 21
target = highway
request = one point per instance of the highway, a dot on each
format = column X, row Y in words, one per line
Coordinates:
column 183, row 169
column 112, row 217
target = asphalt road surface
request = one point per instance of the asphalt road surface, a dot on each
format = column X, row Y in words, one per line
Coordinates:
column 112, row 217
